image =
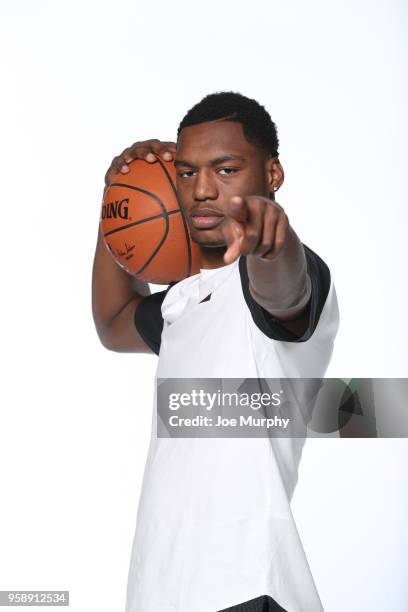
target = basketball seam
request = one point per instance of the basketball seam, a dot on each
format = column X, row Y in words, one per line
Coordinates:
column 123, row 227
column 183, row 217
column 164, row 215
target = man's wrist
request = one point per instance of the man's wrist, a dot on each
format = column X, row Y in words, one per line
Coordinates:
column 281, row 284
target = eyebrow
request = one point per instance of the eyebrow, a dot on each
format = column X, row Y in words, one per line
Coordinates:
column 213, row 162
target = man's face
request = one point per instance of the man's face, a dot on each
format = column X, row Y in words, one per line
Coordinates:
column 214, row 162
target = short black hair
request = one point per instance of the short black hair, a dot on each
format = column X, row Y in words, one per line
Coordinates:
column 232, row 106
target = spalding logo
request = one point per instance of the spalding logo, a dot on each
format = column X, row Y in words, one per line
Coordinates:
column 113, row 210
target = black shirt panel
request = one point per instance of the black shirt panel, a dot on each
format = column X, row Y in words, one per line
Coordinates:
column 273, row 328
column 265, row 603
column 148, row 318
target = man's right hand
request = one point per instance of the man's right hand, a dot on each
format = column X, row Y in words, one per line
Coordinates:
column 148, row 150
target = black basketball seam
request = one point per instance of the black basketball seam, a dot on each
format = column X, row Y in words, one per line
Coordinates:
column 183, row 216
column 153, row 195
column 164, row 214
column 161, row 216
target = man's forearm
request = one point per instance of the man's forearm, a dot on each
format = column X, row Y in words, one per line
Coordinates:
column 281, row 285
column 112, row 289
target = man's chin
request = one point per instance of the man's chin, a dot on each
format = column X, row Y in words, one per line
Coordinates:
column 208, row 243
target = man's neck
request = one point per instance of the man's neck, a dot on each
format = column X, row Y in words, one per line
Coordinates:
column 212, row 257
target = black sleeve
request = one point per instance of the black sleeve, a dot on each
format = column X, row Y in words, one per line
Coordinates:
column 149, row 320
column 273, row 328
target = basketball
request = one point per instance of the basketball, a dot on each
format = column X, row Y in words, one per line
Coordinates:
column 144, row 224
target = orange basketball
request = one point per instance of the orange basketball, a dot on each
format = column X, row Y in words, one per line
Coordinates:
column 144, row 224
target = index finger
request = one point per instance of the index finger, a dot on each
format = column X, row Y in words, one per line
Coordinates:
column 237, row 208
column 232, row 232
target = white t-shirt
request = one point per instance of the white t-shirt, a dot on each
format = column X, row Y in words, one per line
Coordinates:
column 214, row 526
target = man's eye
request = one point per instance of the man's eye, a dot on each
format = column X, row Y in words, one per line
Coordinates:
column 186, row 174
column 228, row 171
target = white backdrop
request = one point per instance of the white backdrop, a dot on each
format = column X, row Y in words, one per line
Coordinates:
column 81, row 81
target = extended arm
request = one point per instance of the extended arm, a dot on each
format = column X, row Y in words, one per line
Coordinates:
column 277, row 270
column 281, row 285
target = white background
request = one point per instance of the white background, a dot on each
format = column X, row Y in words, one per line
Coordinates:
column 80, row 82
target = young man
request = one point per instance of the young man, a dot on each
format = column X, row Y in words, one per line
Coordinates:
column 214, row 526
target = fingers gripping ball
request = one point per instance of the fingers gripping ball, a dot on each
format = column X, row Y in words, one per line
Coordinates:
column 144, row 225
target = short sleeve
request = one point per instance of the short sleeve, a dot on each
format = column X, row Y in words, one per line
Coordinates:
column 149, row 320
column 320, row 278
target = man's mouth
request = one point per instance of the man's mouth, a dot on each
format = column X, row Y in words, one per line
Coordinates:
column 206, row 218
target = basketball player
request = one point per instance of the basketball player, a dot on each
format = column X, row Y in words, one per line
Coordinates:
column 215, row 529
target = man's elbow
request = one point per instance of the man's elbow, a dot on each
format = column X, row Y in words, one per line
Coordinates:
column 106, row 339
column 121, row 336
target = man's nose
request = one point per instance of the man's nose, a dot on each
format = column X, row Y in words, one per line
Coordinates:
column 205, row 187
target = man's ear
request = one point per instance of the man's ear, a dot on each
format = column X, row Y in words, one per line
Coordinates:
column 274, row 175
